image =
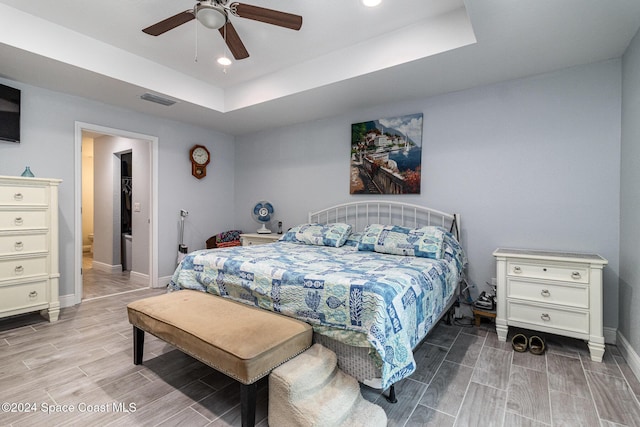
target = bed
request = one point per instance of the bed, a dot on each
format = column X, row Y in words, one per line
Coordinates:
column 371, row 277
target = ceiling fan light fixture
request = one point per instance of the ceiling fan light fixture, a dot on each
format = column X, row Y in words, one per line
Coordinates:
column 211, row 16
column 224, row 61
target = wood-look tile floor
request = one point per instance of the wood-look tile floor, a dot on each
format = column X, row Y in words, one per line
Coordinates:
column 96, row 283
column 465, row 377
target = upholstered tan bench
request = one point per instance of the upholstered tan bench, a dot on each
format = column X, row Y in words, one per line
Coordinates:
column 242, row 342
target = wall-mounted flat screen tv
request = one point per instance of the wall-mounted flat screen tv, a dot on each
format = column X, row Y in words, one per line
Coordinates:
column 9, row 114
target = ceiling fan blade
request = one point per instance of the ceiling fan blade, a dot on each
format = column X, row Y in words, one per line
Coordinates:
column 233, row 41
column 269, row 16
column 170, row 23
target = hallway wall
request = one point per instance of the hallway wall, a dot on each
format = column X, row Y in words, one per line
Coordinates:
column 107, row 203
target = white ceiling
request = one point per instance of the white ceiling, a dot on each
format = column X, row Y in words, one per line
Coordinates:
column 345, row 56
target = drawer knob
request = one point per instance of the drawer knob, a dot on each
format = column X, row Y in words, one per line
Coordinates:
column 517, row 269
column 545, row 293
column 18, row 221
column 33, row 294
column 19, row 269
column 18, row 246
column 545, row 317
column 576, row 275
column 17, row 196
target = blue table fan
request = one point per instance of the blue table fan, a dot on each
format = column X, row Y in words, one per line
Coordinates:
column 262, row 213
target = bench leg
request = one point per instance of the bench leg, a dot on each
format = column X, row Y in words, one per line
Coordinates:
column 138, row 345
column 248, row 393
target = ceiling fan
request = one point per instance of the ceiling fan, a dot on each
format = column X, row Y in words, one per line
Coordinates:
column 214, row 14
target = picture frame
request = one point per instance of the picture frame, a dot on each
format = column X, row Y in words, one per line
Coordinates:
column 386, row 155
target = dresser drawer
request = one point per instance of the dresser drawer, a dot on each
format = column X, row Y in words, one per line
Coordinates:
column 17, row 195
column 22, row 243
column 16, row 297
column 11, row 269
column 572, row 296
column 539, row 315
column 548, row 271
column 22, row 220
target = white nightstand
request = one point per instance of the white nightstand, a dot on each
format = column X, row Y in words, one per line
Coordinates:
column 555, row 292
column 258, row 239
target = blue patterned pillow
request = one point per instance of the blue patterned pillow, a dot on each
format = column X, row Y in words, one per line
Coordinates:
column 318, row 234
column 353, row 240
column 425, row 242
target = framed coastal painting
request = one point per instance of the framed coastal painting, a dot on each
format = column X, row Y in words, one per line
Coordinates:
column 386, row 156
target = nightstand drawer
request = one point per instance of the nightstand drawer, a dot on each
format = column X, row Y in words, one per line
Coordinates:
column 249, row 239
column 21, row 268
column 21, row 296
column 572, row 296
column 22, row 220
column 540, row 315
column 548, row 271
column 22, row 243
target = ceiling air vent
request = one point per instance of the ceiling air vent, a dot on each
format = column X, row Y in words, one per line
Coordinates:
column 157, row 99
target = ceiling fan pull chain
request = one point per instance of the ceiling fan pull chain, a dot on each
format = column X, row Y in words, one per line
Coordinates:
column 196, row 22
column 224, row 68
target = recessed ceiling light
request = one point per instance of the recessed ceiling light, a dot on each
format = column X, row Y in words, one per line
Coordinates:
column 371, row 3
column 224, row 61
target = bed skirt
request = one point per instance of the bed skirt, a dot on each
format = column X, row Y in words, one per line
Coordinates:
column 355, row 361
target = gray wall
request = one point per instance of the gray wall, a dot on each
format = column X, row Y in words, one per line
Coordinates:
column 630, row 194
column 48, row 126
column 532, row 163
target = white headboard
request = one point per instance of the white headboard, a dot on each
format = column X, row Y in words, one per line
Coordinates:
column 365, row 212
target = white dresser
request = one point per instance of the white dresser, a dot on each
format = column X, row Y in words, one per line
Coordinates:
column 554, row 292
column 248, row 239
column 29, row 272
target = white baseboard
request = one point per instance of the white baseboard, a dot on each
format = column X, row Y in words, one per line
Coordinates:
column 610, row 335
column 630, row 355
column 67, row 300
column 139, row 278
column 163, row 281
column 107, row 268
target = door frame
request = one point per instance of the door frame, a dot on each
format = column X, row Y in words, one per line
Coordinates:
column 153, row 235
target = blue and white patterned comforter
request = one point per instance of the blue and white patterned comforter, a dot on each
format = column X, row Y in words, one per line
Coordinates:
column 388, row 302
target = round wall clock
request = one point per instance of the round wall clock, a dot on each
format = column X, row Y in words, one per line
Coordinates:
column 200, row 158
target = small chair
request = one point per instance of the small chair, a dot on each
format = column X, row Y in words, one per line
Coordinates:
column 224, row 239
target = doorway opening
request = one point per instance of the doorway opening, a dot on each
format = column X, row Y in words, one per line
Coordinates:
column 116, row 198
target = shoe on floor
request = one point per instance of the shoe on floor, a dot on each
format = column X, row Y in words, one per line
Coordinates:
column 536, row 345
column 519, row 342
